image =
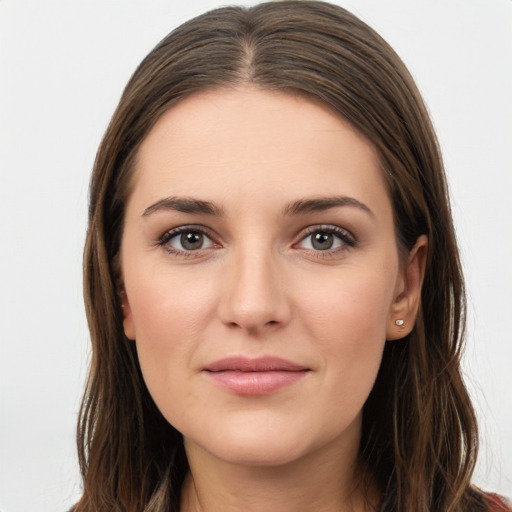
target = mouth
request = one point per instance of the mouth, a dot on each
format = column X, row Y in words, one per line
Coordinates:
column 253, row 377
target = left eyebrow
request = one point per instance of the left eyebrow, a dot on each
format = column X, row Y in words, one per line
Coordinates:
column 318, row 204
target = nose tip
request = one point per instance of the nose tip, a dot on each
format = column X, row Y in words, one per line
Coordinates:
column 253, row 321
column 254, row 298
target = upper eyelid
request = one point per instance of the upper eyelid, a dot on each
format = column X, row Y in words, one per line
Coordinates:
column 188, row 227
column 324, row 227
column 332, row 228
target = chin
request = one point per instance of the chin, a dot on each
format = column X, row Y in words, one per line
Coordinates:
column 272, row 443
column 262, row 452
column 249, row 441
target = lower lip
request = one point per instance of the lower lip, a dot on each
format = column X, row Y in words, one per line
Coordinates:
column 256, row 383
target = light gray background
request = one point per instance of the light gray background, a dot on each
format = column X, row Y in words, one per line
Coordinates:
column 63, row 65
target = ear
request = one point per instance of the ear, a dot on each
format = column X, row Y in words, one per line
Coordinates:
column 406, row 303
column 129, row 329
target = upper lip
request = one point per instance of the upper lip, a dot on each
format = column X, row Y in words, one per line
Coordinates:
column 259, row 364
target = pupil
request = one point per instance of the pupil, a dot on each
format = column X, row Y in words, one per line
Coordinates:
column 322, row 241
column 192, row 240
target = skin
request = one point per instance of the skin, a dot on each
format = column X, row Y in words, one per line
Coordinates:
column 260, row 286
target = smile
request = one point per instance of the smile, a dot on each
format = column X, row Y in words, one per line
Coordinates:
column 261, row 376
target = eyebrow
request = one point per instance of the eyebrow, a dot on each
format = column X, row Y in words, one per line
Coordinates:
column 185, row 205
column 319, row 204
column 301, row 206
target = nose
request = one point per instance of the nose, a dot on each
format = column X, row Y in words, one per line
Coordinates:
column 254, row 294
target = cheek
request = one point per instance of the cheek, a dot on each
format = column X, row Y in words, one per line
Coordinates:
column 168, row 305
column 170, row 316
column 348, row 319
column 352, row 308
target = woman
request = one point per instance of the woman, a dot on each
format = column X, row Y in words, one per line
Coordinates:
column 272, row 280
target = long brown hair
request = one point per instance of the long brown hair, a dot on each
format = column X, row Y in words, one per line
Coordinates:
column 419, row 436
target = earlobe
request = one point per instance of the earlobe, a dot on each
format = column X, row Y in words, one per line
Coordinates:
column 128, row 326
column 406, row 304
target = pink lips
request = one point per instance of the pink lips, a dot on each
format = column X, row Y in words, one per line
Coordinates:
column 261, row 376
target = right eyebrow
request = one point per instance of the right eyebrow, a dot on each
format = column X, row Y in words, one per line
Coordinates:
column 185, row 205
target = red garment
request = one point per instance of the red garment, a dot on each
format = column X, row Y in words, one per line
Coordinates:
column 497, row 503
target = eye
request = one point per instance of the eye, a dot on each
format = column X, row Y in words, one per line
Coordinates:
column 326, row 238
column 186, row 239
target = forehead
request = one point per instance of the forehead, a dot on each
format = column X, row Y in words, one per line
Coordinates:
column 223, row 143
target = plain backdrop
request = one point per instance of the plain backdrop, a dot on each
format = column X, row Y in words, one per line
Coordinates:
column 63, row 65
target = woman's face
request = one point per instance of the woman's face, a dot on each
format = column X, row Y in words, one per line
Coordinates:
column 261, row 274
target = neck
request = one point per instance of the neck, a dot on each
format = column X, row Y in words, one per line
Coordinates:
column 325, row 481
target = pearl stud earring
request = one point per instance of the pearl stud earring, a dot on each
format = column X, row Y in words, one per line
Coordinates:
column 400, row 323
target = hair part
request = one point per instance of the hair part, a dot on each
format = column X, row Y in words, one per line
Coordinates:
column 419, row 436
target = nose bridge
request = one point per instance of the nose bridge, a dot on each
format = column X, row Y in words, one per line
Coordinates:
column 254, row 296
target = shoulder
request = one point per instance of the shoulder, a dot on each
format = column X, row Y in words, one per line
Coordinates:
column 496, row 503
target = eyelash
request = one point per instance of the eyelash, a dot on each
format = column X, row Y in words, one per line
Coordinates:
column 169, row 235
column 347, row 240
